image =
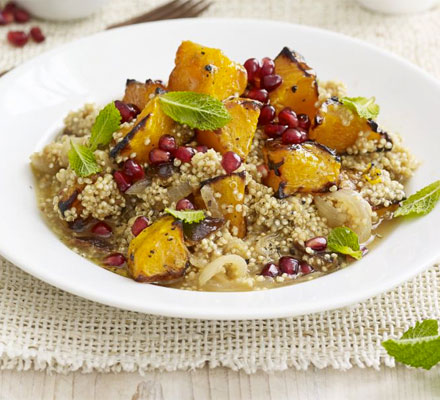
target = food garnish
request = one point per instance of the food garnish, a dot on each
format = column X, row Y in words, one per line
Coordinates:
column 187, row 216
column 344, row 241
column 420, row 203
column 418, row 347
column 364, row 107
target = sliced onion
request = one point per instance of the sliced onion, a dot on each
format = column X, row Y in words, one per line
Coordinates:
column 235, row 262
column 139, row 186
column 210, row 201
column 179, row 191
column 356, row 215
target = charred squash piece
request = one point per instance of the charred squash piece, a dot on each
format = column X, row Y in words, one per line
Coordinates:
column 338, row 127
column 158, row 253
column 206, row 70
column 144, row 136
column 140, row 94
column 238, row 134
column 228, row 191
column 69, row 199
column 305, row 168
column 299, row 89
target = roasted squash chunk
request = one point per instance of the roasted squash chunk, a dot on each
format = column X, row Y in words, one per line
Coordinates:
column 140, row 94
column 228, row 193
column 158, row 253
column 144, row 136
column 238, row 134
column 69, row 200
column 305, row 168
column 206, row 70
column 338, row 127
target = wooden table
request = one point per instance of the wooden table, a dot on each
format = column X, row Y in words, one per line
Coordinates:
column 398, row 383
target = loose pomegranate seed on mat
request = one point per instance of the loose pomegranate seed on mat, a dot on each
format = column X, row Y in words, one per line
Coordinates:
column 184, row 204
column 230, row 161
column 267, row 114
column 6, row 17
column 37, row 35
column 17, row 38
column 184, row 153
column 139, row 225
column 21, row 16
column 114, row 260
column 167, row 143
column 102, row 229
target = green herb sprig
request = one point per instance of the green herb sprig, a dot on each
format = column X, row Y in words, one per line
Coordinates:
column 420, row 203
column 344, row 241
column 82, row 159
column 188, row 216
column 364, row 107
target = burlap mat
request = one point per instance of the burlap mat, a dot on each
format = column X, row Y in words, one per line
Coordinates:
column 43, row 327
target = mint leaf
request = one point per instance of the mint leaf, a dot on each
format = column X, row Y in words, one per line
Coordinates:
column 343, row 240
column 365, row 108
column 195, row 110
column 189, row 217
column 420, row 203
column 82, row 160
column 418, row 347
column 105, row 124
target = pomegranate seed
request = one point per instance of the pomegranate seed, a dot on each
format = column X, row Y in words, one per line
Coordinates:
column 6, row 17
column 10, row 6
column 318, row 243
column 114, row 260
column 167, row 143
column 271, row 270
column 293, row 136
column 201, row 149
column 184, row 154
column 37, row 35
column 230, row 161
column 271, row 82
column 267, row 114
column 289, row 265
column 122, row 180
column 133, row 170
column 17, row 38
column 263, row 170
column 184, row 204
column 304, row 122
column 139, row 225
column 267, row 67
column 274, row 130
column 102, row 229
column 164, row 170
column 127, row 111
column 305, row 268
column 258, row 94
column 21, row 16
column 252, row 66
column 158, row 156
column 288, row 117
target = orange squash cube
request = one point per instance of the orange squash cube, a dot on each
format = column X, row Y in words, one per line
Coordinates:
column 140, row 94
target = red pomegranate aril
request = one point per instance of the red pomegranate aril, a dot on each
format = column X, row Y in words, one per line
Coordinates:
column 158, row 156
column 102, row 229
column 122, row 180
column 114, row 260
column 303, row 122
column 230, row 161
column 258, row 94
column 184, row 204
column 317, row 243
column 305, row 268
column 18, row 38
column 139, row 224
column 288, row 117
column 184, row 153
column 201, row 149
column 10, row 6
column 271, row 82
column 252, row 66
column 164, row 170
column 21, row 16
column 127, row 111
column 37, row 35
column 274, row 130
column 167, row 143
column 270, row 270
column 6, row 17
column 288, row 265
column 133, row 170
column 267, row 67
column 293, row 136
column 267, row 114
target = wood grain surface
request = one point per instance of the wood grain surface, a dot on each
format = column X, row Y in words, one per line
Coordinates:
column 223, row 384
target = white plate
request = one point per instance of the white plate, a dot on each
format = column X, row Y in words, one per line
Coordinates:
column 35, row 97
